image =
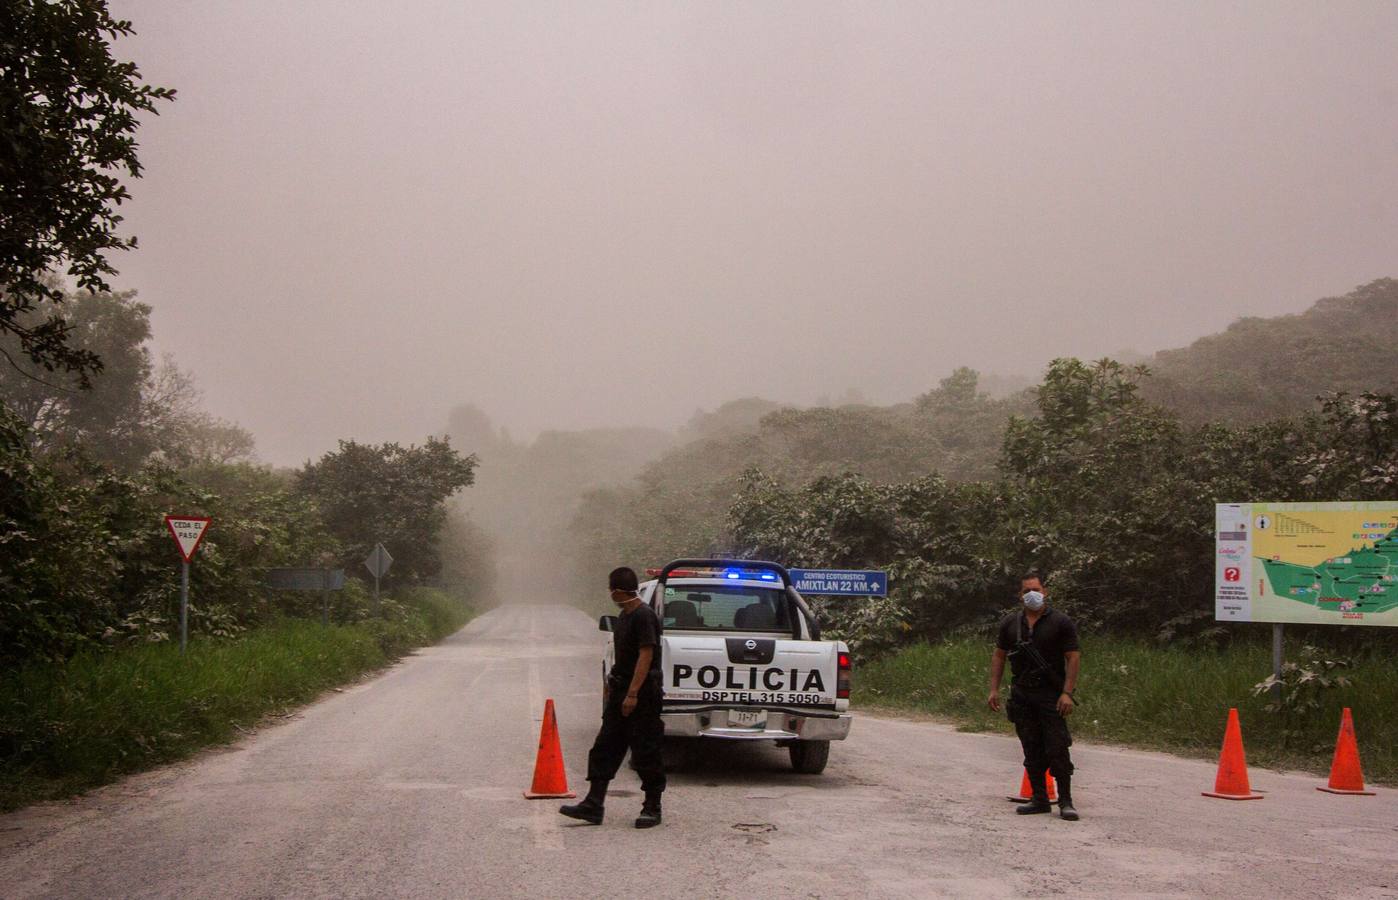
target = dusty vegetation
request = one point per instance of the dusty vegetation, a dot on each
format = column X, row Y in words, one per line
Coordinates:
column 1087, row 475
column 65, row 728
column 1161, row 697
column 1101, row 476
column 93, row 684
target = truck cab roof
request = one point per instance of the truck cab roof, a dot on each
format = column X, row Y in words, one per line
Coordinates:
column 729, row 596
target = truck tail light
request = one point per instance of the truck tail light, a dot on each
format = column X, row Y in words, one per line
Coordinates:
column 842, row 679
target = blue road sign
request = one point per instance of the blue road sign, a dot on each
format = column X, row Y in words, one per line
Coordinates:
column 840, row 582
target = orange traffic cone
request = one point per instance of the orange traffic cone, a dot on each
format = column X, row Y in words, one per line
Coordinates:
column 1026, row 791
column 550, row 778
column 1232, row 780
column 1345, row 775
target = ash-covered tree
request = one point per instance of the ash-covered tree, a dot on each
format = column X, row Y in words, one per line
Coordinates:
column 106, row 419
column 133, row 411
column 69, row 113
column 1104, row 493
column 369, row 493
column 1357, row 459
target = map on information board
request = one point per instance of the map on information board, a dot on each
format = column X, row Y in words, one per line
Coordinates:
column 1325, row 563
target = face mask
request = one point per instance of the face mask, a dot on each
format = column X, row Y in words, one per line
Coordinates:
column 1033, row 600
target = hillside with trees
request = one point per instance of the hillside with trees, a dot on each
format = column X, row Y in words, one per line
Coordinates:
column 678, row 503
column 1105, row 475
column 1263, row 368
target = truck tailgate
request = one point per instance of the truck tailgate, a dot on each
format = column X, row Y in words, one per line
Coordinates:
column 749, row 671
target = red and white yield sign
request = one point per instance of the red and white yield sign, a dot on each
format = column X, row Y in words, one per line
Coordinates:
column 188, row 532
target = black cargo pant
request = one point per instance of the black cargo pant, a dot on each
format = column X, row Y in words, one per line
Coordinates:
column 640, row 732
column 1043, row 734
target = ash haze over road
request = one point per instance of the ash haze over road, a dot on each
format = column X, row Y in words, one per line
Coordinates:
column 356, row 217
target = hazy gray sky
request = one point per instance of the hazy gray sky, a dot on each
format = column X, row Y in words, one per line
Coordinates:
column 358, row 215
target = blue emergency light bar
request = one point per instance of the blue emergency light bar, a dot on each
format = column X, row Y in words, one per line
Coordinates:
column 730, row 569
column 749, row 573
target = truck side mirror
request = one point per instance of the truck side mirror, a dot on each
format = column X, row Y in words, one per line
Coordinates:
column 606, row 623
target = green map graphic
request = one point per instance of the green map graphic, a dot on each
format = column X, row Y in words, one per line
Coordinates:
column 1362, row 580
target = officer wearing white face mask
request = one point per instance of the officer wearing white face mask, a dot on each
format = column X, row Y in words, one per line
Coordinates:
column 1042, row 647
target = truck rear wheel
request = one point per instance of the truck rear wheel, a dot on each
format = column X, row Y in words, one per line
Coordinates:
column 809, row 757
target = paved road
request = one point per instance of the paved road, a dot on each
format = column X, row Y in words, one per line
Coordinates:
column 409, row 785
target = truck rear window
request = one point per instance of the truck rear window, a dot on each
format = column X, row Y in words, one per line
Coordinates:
column 726, row 609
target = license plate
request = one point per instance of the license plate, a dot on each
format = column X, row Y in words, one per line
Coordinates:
column 747, row 718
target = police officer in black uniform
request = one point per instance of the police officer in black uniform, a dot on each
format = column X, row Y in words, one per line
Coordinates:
column 1042, row 646
column 631, row 709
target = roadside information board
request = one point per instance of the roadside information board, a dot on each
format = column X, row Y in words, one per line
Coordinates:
column 1316, row 563
column 840, row 582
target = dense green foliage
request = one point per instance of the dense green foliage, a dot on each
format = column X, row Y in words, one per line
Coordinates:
column 69, row 112
column 370, row 493
column 65, row 727
column 86, row 561
column 1167, row 698
column 86, row 475
column 1103, row 474
column 1088, row 477
column 93, row 685
column 1110, row 495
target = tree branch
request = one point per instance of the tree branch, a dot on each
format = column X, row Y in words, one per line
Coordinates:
column 32, row 377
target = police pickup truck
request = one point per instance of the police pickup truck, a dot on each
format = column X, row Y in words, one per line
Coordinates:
column 742, row 659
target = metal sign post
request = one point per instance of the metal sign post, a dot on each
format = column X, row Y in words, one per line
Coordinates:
column 377, row 562
column 184, row 604
column 188, row 532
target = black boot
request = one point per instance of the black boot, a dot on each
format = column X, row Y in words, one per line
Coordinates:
column 591, row 808
column 1065, row 799
column 1037, row 804
column 1038, row 800
column 650, row 811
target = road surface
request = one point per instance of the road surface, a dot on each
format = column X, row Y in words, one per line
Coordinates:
column 409, row 785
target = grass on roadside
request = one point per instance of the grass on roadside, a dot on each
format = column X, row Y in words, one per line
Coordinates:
column 1157, row 698
column 66, row 727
